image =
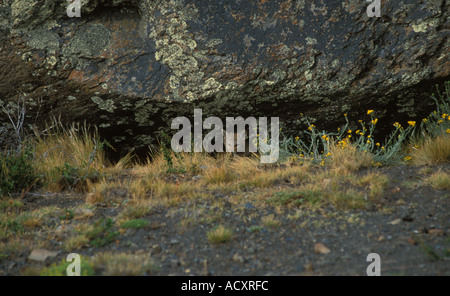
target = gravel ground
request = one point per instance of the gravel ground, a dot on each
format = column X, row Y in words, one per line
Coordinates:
column 409, row 229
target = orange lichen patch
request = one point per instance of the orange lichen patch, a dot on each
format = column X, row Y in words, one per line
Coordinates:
column 77, row 76
column 118, row 25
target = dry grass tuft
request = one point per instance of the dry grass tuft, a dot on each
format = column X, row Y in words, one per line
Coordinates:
column 439, row 180
column 432, row 151
column 68, row 155
column 348, row 159
column 123, row 264
column 375, row 182
column 219, row 235
column 221, row 173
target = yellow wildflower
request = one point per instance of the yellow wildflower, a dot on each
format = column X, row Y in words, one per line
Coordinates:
column 412, row 123
column 369, row 111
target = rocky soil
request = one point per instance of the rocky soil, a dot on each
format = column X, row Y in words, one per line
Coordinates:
column 409, row 228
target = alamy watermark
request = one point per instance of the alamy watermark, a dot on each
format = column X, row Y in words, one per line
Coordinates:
column 374, row 9
column 74, row 268
column 74, row 8
column 214, row 141
column 374, row 268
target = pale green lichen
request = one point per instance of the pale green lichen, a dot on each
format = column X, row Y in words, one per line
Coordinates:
column 214, row 42
column 43, row 39
column 311, row 41
column 106, row 105
column 308, row 75
column 177, row 49
column 89, row 41
column 423, row 26
column 145, row 112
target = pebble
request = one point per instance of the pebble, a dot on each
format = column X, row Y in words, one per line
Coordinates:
column 237, row 258
column 321, row 249
column 395, row 222
column 41, row 255
column 435, row 231
column 309, row 267
column 156, row 249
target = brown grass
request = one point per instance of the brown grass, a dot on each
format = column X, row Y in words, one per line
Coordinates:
column 220, row 234
column 77, row 146
column 348, row 159
column 439, row 180
column 432, row 150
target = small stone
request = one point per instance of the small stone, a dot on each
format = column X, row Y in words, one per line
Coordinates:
column 174, row 242
column 249, row 206
column 62, row 229
column 237, row 258
column 156, row 249
column 412, row 241
column 83, row 213
column 11, row 266
column 41, row 255
column 309, row 267
column 395, row 222
column 174, row 263
column 435, row 231
column 321, row 249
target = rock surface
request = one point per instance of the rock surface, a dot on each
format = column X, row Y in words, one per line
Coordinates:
column 131, row 67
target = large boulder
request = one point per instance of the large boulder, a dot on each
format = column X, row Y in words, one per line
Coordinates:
column 131, row 67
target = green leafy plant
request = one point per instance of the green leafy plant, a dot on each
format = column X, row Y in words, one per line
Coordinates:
column 68, row 215
column 71, row 177
column 16, row 171
column 102, row 233
column 135, row 224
